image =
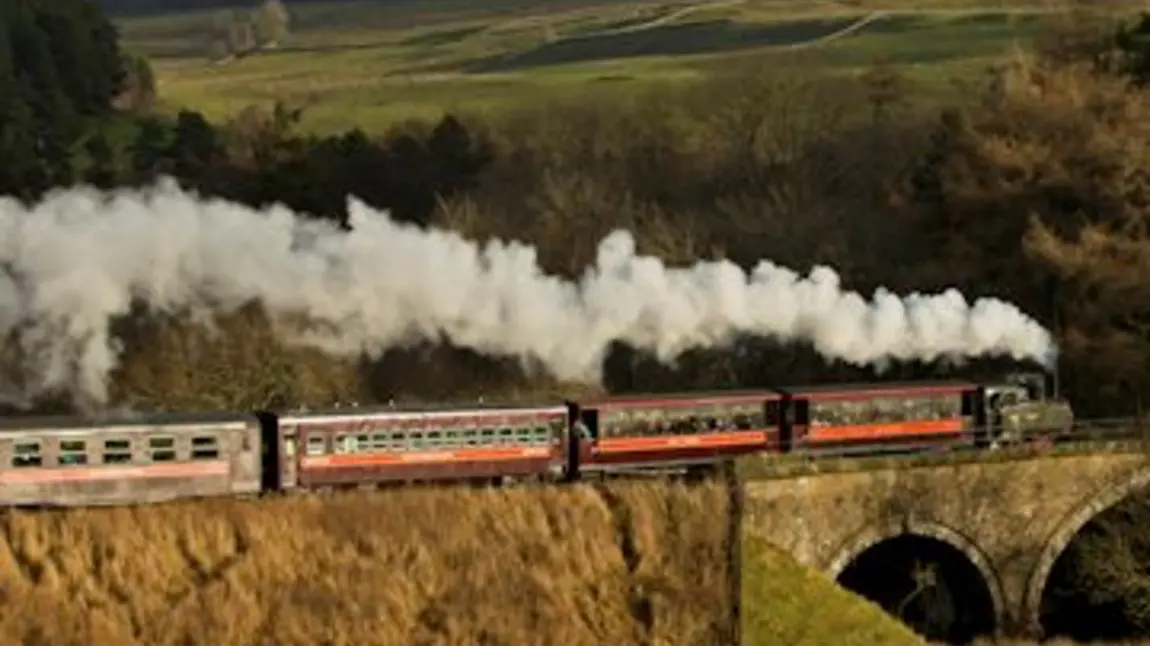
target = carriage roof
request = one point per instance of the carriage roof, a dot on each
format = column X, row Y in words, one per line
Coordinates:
column 125, row 420
column 679, row 399
column 879, row 389
column 422, row 410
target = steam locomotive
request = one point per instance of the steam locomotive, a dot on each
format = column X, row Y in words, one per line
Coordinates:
column 135, row 459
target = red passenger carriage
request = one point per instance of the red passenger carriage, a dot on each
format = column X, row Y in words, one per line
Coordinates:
column 369, row 446
column 638, row 432
column 878, row 417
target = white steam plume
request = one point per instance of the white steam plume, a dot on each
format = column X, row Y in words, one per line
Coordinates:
column 80, row 258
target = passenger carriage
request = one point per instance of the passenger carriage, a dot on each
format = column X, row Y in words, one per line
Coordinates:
column 62, row 461
column 389, row 445
column 673, row 430
column 877, row 418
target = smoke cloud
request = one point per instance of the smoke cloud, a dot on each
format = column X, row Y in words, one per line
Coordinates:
column 78, row 259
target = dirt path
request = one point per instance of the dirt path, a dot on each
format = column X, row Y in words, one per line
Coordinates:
column 667, row 18
column 838, row 33
column 847, row 30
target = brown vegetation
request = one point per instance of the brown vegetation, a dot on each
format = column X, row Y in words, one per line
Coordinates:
column 1050, row 643
column 628, row 564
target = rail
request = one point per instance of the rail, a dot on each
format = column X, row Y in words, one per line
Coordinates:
column 1112, row 435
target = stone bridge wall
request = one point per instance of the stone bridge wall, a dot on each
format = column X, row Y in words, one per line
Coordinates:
column 1012, row 519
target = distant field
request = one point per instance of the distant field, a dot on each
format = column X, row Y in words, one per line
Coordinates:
column 371, row 63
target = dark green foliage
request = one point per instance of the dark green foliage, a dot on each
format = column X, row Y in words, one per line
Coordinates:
column 60, row 67
column 1133, row 41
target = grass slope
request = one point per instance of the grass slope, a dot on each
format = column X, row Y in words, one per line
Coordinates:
column 639, row 564
column 371, row 63
column 784, row 604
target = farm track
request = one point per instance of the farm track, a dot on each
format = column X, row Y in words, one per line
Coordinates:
column 860, row 23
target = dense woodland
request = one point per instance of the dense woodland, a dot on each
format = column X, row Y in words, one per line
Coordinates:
column 1035, row 189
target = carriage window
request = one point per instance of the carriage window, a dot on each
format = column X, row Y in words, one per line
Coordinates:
column 611, row 424
column 746, row 418
column 620, row 423
column 117, row 451
column 73, row 453
column 647, row 423
column 417, row 441
column 381, row 441
column 458, row 437
column 345, row 443
column 162, row 449
column 774, row 413
column 205, row 447
column 471, row 437
column 26, row 454
column 398, row 440
column 949, row 406
column 488, row 437
column 315, row 445
column 829, row 414
column 890, row 409
column 707, row 419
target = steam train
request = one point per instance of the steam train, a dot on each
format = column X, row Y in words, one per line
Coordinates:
column 134, row 459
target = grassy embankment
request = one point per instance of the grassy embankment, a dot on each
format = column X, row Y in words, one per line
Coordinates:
column 641, row 564
column 369, row 64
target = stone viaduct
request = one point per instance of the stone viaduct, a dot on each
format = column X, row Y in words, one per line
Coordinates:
column 1011, row 518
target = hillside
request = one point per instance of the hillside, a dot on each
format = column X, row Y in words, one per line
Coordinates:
column 375, row 63
column 785, row 604
column 631, row 564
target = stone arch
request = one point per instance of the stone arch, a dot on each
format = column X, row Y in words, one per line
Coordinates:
column 873, row 535
column 1031, row 618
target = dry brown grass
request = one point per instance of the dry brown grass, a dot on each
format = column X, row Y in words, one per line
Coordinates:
column 1055, row 643
column 512, row 567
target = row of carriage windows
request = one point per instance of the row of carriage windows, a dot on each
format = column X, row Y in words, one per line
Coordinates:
column 681, row 421
column 886, row 410
column 442, row 439
column 711, row 419
column 31, row 453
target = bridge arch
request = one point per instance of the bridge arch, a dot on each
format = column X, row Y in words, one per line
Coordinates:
column 1031, row 618
column 875, row 535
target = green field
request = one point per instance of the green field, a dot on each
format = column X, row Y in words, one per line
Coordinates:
column 370, row 63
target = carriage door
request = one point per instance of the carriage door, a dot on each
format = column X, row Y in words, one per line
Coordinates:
column 587, row 445
column 777, row 432
column 572, row 443
column 798, row 419
column 289, row 456
column 270, row 476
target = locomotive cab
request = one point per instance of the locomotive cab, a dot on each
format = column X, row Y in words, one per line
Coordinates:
column 1022, row 408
